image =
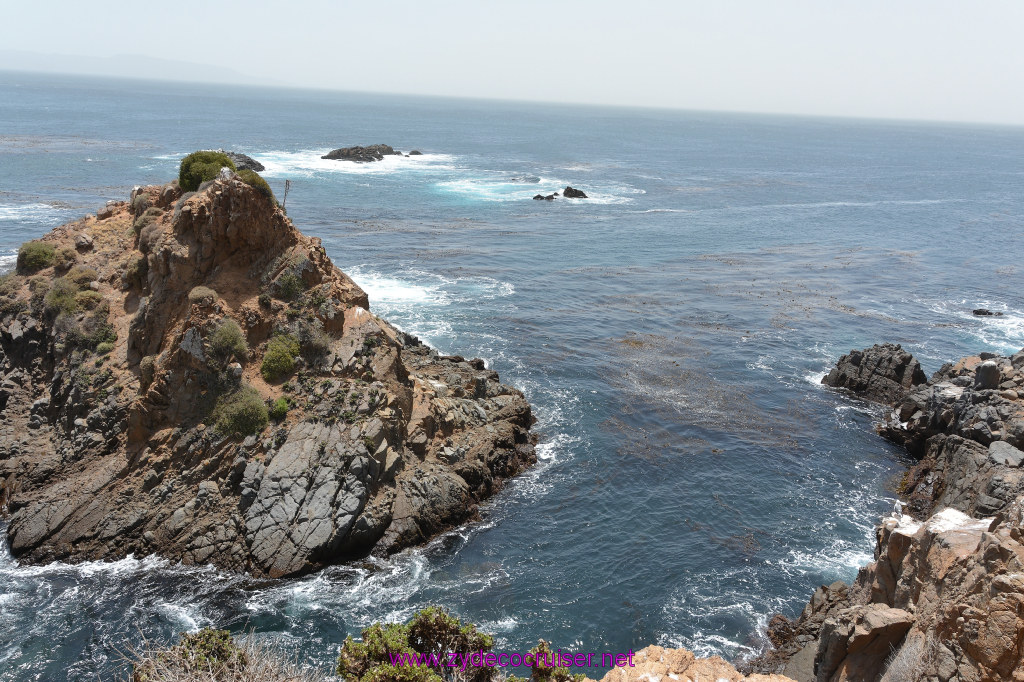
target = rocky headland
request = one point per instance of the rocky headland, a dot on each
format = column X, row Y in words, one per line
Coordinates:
column 186, row 374
column 944, row 598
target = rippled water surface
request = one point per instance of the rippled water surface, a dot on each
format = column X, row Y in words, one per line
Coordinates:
column 670, row 331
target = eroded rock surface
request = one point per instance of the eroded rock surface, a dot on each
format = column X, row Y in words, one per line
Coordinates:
column 883, row 373
column 110, row 444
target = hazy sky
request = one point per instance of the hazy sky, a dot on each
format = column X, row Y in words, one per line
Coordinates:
column 925, row 59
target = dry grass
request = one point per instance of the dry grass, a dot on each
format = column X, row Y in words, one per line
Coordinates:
column 195, row 659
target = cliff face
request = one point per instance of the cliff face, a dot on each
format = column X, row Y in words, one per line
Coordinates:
column 944, row 598
column 118, row 366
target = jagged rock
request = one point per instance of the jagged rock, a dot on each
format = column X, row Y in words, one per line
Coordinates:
column 572, row 193
column 883, row 373
column 244, row 162
column 385, row 443
column 375, row 152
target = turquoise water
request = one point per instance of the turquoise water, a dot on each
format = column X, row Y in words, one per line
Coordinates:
column 670, row 331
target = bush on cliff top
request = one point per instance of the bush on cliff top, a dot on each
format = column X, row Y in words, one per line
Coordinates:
column 34, row 256
column 279, row 360
column 199, row 167
column 241, row 413
column 253, row 179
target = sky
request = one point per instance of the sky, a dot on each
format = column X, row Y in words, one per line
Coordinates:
column 908, row 59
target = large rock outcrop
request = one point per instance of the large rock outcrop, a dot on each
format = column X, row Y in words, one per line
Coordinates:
column 110, row 397
column 944, row 598
column 883, row 373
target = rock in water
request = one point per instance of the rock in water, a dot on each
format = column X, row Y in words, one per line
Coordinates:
column 243, row 162
column 883, row 373
column 572, row 193
column 375, row 152
column 984, row 312
column 379, row 443
column 415, row 152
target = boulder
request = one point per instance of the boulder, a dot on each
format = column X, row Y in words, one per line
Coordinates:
column 987, row 375
column 882, row 373
column 572, row 193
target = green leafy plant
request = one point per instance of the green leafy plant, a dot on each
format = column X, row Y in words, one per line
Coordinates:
column 82, row 275
column 64, row 258
column 199, row 167
column 88, row 299
column 34, row 256
column 431, row 631
column 241, row 412
column 61, row 297
column 228, row 341
column 253, row 179
column 289, row 285
column 279, row 408
column 104, row 348
column 279, row 358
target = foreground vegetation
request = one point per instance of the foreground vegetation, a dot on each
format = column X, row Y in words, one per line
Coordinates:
column 215, row 656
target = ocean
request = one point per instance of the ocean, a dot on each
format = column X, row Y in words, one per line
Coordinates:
column 670, row 331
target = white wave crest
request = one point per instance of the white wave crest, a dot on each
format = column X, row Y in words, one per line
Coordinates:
column 307, row 163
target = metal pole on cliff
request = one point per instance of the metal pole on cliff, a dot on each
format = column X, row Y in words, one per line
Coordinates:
column 287, row 186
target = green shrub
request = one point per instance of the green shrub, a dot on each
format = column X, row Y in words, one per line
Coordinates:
column 279, row 408
column 104, row 347
column 88, row 299
column 139, row 204
column 199, row 167
column 279, row 359
column 33, row 256
column 82, row 275
column 289, row 285
column 202, row 295
column 150, row 216
column 10, row 284
column 431, row 631
column 61, row 297
column 147, row 368
column 64, row 258
column 253, row 179
column 240, row 413
column 227, row 341
column 264, row 300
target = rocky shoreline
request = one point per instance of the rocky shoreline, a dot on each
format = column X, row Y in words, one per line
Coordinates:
column 944, row 598
column 141, row 351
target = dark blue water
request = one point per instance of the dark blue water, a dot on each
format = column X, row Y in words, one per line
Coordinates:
column 670, row 332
